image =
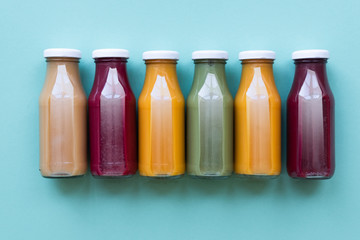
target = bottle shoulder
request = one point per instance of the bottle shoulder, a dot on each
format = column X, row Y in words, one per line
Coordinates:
column 310, row 87
column 63, row 88
column 163, row 86
column 208, row 83
column 257, row 88
column 110, row 81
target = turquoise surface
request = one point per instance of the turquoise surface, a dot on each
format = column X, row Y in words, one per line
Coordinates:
column 32, row 207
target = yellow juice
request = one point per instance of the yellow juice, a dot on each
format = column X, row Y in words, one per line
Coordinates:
column 257, row 121
column 161, row 121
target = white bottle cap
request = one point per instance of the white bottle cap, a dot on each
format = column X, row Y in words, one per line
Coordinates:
column 116, row 53
column 257, row 54
column 62, row 52
column 315, row 53
column 210, row 54
column 160, row 55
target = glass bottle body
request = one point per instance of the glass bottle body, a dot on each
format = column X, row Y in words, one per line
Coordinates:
column 257, row 121
column 62, row 118
column 161, row 122
column 209, row 122
column 310, row 122
column 112, row 121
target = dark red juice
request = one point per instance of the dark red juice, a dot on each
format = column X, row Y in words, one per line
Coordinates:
column 310, row 122
column 112, row 120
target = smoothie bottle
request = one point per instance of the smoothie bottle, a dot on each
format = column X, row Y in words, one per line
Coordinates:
column 62, row 116
column 310, row 118
column 112, row 117
column 257, row 117
column 161, row 118
column 210, row 118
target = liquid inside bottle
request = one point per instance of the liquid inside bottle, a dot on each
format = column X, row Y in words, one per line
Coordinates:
column 211, row 122
column 161, row 128
column 62, row 108
column 112, row 104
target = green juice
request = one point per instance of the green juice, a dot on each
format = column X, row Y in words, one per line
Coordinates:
column 210, row 121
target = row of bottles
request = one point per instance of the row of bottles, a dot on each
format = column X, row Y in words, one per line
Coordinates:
column 216, row 125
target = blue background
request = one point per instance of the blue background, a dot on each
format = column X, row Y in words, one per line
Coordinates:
column 32, row 207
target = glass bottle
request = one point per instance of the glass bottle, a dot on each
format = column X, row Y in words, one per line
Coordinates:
column 210, row 118
column 310, row 118
column 62, row 116
column 257, row 117
column 112, row 117
column 161, row 118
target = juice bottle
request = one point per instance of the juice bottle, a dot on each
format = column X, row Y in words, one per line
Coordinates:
column 257, row 117
column 112, row 117
column 210, row 118
column 62, row 116
column 161, row 118
column 310, row 118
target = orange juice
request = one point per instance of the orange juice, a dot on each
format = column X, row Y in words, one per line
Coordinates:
column 257, row 117
column 161, row 118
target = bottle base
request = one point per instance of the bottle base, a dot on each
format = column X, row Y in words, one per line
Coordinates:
column 210, row 176
column 164, row 177
column 63, row 176
column 258, row 176
column 311, row 177
column 112, row 176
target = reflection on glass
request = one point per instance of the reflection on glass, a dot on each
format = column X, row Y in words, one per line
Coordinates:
column 161, row 128
column 258, row 118
column 61, row 124
column 311, row 125
column 112, row 104
column 211, row 126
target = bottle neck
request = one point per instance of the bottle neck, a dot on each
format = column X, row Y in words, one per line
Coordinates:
column 56, row 61
column 104, row 64
column 318, row 66
column 161, row 64
column 210, row 64
column 111, row 62
column 258, row 63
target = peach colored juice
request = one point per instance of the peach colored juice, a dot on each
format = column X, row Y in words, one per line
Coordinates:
column 62, row 117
